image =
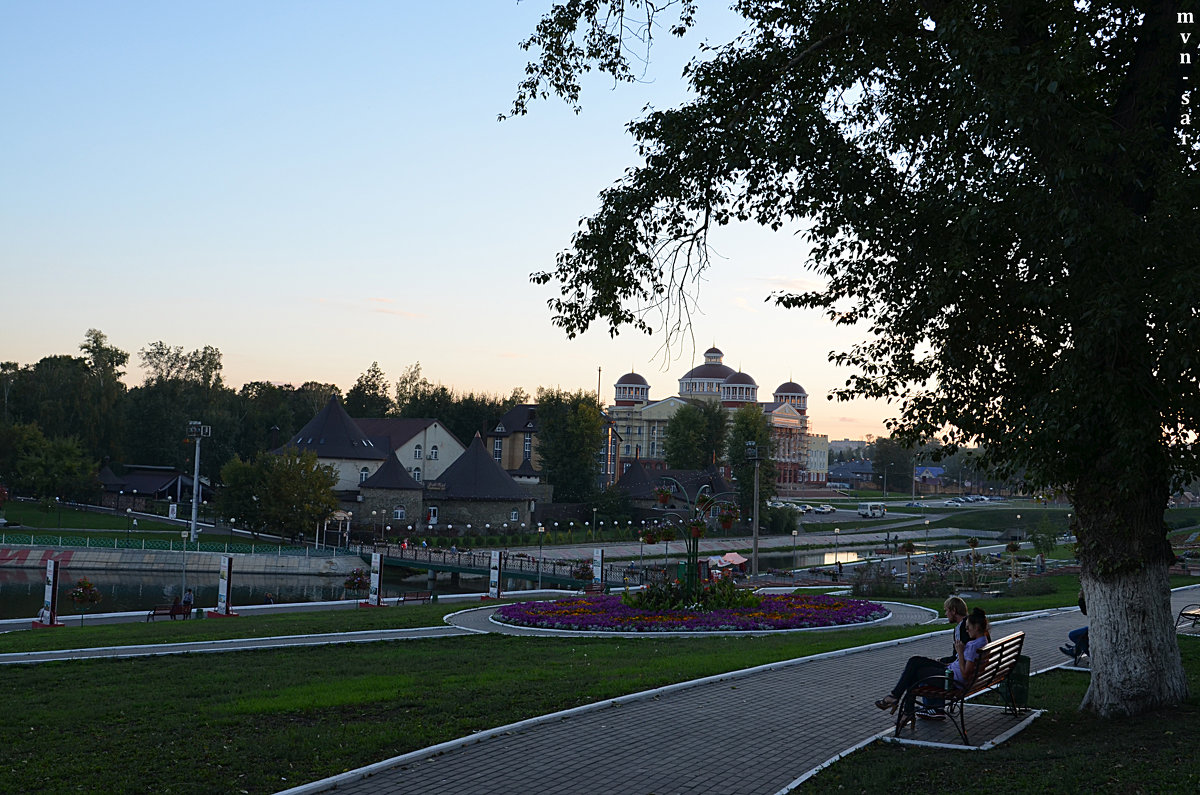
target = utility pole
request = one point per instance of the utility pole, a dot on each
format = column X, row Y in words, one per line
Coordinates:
column 197, row 432
column 752, row 455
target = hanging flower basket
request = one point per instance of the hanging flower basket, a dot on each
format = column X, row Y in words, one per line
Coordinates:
column 726, row 519
column 696, row 529
column 666, row 534
column 359, row 580
column 85, row 594
column 662, row 495
column 649, row 537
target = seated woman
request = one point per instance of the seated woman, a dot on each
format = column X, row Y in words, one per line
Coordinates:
column 963, row 667
column 176, row 608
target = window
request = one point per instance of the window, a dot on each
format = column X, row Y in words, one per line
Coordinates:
column 528, row 446
column 417, row 451
column 363, row 474
column 431, row 515
column 398, row 512
column 433, row 452
column 628, row 450
column 514, row 515
column 653, row 449
column 497, row 449
column 416, row 474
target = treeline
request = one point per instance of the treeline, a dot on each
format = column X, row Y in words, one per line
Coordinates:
column 65, row 416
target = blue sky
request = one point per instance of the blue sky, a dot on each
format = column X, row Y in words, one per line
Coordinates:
column 314, row 186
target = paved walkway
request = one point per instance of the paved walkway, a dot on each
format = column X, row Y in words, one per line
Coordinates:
column 760, row 730
column 757, row 731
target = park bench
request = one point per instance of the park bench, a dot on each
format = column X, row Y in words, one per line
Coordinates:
column 415, row 596
column 593, row 588
column 167, row 610
column 996, row 661
column 1189, row 615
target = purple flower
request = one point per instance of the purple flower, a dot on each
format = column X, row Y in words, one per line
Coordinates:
column 608, row 613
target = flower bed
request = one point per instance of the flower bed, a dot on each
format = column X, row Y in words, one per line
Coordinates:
column 608, row 614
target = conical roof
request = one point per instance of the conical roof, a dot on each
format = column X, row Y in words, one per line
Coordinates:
column 332, row 434
column 475, row 475
column 392, row 475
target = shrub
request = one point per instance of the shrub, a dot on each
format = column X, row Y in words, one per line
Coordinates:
column 1036, row 586
column 873, row 579
column 673, row 596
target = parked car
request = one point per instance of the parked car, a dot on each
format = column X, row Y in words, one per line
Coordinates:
column 825, row 509
column 804, row 507
column 777, row 504
column 914, row 505
column 952, row 504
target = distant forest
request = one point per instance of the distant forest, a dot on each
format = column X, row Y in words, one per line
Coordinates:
column 77, row 407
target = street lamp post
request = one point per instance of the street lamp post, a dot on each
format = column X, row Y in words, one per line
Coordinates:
column 794, row 534
column 58, row 502
column 541, row 535
column 183, row 568
column 128, row 523
column 837, row 532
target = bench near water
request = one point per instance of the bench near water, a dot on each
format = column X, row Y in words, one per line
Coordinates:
column 167, row 610
column 996, row 661
column 414, row 596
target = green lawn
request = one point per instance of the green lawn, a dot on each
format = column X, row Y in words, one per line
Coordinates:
column 1064, row 750
column 31, row 515
column 262, row 721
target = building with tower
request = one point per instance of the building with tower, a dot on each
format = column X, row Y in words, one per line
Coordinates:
column 642, row 421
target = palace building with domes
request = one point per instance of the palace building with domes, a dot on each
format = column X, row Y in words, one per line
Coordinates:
column 800, row 456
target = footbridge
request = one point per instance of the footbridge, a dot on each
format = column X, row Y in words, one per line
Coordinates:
column 513, row 565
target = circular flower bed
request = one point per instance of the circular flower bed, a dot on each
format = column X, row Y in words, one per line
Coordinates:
column 608, row 614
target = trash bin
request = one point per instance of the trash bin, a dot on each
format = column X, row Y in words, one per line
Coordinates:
column 1015, row 687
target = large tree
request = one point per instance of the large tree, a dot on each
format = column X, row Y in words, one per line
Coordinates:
column 371, row 395
column 695, row 436
column 569, row 439
column 1002, row 195
column 749, row 424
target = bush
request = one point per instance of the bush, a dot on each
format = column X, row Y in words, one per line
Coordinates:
column 1037, row 586
column 874, row 580
column 673, row 596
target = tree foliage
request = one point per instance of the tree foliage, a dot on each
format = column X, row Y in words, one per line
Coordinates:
column 371, row 395
column 1001, row 195
column 464, row 414
column 570, row 433
column 750, row 425
column 695, row 436
column 285, row 494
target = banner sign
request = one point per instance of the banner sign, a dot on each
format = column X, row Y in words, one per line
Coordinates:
column 172, row 511
column 223, row 587
column 49, row 613
column 494, row 575
column 597, row 566
column 376, row 573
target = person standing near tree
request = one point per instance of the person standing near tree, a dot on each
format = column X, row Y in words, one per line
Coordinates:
column 188, row 599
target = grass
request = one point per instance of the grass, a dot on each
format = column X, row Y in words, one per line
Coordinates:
column 31, row 516
column 261, row 721
column 1064, row 750
column 265, row 626
column 1065, row 594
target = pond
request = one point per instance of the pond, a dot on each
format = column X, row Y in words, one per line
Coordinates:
column 21, row 590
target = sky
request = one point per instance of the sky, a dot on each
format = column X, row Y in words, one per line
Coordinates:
column 311, row 187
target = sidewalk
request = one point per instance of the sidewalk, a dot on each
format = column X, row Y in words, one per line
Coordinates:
column 757, row 731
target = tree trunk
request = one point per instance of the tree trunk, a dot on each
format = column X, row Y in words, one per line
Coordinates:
column 1124, row 554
